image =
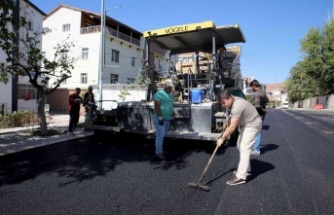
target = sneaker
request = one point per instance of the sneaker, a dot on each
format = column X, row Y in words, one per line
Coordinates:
column 236, row 171
column 255, row 152
column 71, row 133
column 235, row 181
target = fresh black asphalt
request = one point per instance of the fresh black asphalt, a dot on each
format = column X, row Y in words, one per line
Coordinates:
column 120, row 175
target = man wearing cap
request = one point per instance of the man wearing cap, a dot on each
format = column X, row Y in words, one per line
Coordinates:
column 163, row 114
column 89, row 104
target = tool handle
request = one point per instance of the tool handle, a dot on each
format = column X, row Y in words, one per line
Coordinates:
column 208, row 164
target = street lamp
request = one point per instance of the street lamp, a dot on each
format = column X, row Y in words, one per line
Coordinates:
column 102, row 41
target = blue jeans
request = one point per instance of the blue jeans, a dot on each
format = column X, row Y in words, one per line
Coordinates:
column 160, row 133
column 256, row 146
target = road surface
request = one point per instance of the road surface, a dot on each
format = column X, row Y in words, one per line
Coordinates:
column 120, row 174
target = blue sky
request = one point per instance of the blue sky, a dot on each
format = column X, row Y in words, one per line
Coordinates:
column 272, row 28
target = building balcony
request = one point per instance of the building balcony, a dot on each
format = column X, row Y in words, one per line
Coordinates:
column 111, row 32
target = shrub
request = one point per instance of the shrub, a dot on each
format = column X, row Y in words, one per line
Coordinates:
column 18, row 119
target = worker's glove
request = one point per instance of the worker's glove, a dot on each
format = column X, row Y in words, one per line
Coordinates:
column 161, row 121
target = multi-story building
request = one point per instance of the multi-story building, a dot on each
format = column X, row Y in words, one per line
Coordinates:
column 123, row 52
column 19, row 93
column 277, row 93
column 123, row 48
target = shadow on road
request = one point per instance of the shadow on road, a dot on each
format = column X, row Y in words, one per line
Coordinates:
column 258, row 168
column 265, row 127
column 80, row 160
column 268, row 147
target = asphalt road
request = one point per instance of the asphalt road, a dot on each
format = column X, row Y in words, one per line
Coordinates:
column 120, row 174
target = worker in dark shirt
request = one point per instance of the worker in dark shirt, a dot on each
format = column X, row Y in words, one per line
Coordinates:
column 74, row 110
column 259, row 100
column 90, row 106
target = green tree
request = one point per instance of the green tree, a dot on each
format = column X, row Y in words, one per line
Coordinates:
column 300, row 85
column 318, row 62
column 21, row 45
column 124, row 93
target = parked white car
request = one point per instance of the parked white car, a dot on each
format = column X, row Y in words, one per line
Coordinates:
column 285, row 105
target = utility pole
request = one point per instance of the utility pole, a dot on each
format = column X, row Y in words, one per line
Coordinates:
column 101, row 62
column 102, row 48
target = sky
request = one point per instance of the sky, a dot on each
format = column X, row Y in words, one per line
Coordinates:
column 273, row 28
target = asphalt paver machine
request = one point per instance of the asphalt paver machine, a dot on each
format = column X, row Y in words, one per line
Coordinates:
column 197, row 82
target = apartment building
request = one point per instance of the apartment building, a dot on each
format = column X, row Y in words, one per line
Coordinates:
column 277, row 93
column 124, row 49
column 18, row 94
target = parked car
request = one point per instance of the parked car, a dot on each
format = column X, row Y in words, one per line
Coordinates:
column 285, row 105
column 318, row 106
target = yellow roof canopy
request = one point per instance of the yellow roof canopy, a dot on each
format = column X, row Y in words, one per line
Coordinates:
column 195, row 37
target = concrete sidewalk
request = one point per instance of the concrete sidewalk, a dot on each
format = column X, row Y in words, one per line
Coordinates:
column 17, row 139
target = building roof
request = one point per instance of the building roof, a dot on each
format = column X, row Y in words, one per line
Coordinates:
column 90, row 13
column 35, row 7
column 275, row 87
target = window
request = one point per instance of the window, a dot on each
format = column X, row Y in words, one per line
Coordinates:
column 63, row 55
column 84, row 54
column 133, row 61
column 159, row 65
column 131, row 80
column 66, row 27
column 114, row 56
column 113, row 79
column 29, row 25
column 25, row 89
column 84, row 78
